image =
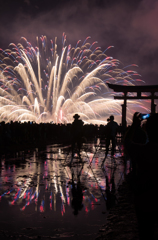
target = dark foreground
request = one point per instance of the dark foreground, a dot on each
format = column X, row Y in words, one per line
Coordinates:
column 45, row 211
column 121, row 221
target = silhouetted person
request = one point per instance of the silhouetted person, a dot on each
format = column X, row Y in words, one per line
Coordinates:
column 139, row 137
column 77, row 132
column 111, row 131
column 146, row 182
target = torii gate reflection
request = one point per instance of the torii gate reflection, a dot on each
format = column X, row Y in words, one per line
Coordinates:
column 152, row 89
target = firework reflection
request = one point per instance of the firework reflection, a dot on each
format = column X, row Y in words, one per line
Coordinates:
column 46, row 184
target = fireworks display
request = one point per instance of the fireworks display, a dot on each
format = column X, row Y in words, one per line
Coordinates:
column 38, row 85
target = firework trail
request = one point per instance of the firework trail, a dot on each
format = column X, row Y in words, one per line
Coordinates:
column 38, row 85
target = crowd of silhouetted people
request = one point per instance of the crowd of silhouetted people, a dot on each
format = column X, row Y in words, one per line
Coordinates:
column 18, row 134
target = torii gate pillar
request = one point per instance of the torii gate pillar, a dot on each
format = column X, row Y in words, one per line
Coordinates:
column 124, row 105
column 153, row 105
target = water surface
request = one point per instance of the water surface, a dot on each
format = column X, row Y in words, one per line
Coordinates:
column 36, row 192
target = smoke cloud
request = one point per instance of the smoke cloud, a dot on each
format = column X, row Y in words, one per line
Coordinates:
column 127, row 25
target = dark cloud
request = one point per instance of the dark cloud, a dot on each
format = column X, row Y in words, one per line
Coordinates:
column 130, row 26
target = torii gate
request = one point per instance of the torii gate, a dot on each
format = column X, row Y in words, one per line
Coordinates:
column 138, row 89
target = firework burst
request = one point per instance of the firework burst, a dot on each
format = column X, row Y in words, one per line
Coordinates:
column 38, row 85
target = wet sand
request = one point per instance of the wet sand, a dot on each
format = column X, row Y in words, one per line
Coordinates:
column 121, row 223
column 121, row 220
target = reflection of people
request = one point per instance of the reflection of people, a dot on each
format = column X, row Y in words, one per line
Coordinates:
column 77, row 195
column 111, row 131
column 110, row 193
column 146, row 180
column 77, row 131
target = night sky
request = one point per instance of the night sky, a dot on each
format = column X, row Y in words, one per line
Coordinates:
column 129, row 26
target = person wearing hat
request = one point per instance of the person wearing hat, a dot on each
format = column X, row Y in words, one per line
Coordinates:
column 111, row 131
column 77, row 131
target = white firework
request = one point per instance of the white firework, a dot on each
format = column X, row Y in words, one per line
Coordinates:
column 38, row 85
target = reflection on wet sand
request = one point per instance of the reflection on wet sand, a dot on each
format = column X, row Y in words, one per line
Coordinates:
column 41, row 181
column 47, row 175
